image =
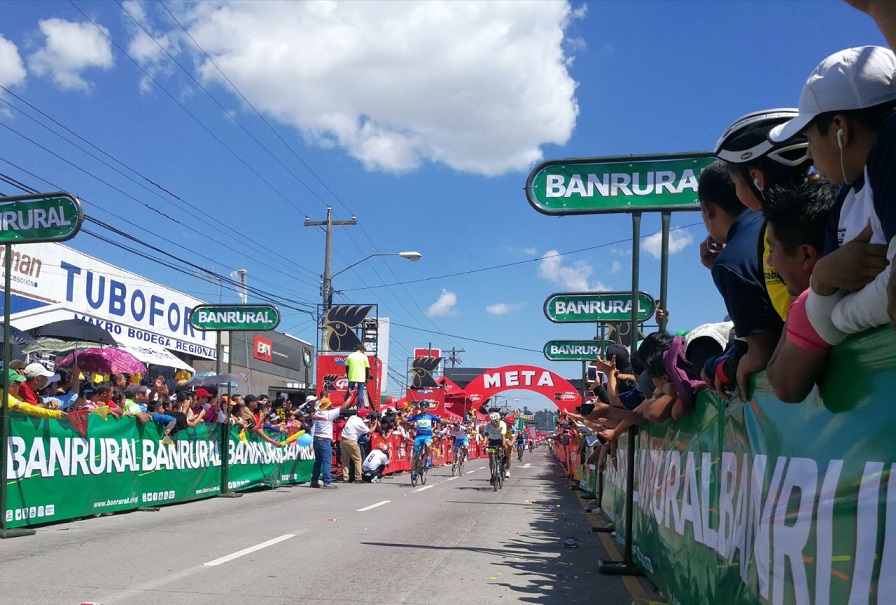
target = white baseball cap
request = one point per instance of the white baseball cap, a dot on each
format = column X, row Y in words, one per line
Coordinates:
column 855, row 78
column 33, row 370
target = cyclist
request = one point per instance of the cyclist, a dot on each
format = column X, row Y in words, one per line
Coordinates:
column 495, row 430
column 521, row 439
column 459, row 434
column 423, row 422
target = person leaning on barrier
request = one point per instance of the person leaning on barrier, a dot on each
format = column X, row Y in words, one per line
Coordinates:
column 136, row 398
column 15, row 404
column 796, row 228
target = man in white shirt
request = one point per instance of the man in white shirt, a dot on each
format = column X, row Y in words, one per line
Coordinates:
column 322, row 441
column 375, row 463
column 354, row 427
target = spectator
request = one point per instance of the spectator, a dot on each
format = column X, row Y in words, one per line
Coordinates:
column 15, row 404
column 322, row 437
column 884, row 14
column 36, row 377
column 101, row 397
column 847, row 113
column 136, row 398
column 354, row 427
column 796, row 228
column 67, row 388
column 357, row 370
column 738, row 275
column 375, row 463
column 253, row 421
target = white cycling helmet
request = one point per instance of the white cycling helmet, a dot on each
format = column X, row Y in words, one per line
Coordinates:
column 494, row 416
column 746, row 140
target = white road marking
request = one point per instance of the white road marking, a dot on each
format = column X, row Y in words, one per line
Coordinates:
column 527, row 465
column 249, row 550
column 366, row 508
column 424, row 488
column 452, row 478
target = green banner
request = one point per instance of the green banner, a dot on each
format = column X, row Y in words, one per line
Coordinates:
column 55, row 474
column 590, row 307
column 767, row 502
column 41, row 217
column 617, row 184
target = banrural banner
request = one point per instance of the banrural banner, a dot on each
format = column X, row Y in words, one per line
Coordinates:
column 54, row 474
column 767, row 502
column 617, row 184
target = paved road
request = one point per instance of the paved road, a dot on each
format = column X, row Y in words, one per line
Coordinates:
column 453, row 541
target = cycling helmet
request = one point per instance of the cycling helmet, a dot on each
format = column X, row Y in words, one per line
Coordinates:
column 494, row 416
column 746, row 140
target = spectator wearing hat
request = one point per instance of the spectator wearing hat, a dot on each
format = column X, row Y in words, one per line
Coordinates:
column 354, row 428
column 36, row 377
column 15, row 404
column 18, row 365
column 322, row 440
column 207, row 400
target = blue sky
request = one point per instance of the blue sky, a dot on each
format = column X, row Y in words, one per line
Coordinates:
column 214, row 129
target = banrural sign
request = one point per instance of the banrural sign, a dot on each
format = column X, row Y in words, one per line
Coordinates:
column 43, row 217
column 587, row 307
column 573, row 350
column 258, row 318
column 617, row 184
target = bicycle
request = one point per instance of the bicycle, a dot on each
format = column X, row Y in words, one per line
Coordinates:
column 519, row 451
column 457, row 466
column 418, row 466
column 496, row 465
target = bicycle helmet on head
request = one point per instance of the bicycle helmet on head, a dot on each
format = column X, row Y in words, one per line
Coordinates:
column 494, row 416
column 746, row 140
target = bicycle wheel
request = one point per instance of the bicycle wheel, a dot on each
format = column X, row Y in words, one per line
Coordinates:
column 460, row 465
column 500, row 465
column 423, row 470
column 493, row 466
column 519, row 453
column 454, row 464
column 415, row 467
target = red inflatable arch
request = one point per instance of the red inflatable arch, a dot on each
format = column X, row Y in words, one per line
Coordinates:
column 525, row 378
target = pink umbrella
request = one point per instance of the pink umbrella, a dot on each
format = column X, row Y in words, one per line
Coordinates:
column 109, row 360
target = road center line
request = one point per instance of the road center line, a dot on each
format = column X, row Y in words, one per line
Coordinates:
column 249, row 550
column 366, row 508
column 527, row 465
column 452, row 478
column 424, row 488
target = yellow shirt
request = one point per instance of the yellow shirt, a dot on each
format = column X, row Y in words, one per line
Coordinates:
column 774, row 285
column 17, row 405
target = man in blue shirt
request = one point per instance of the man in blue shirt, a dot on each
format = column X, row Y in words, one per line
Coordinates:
column 422, row 422
column 738, row 275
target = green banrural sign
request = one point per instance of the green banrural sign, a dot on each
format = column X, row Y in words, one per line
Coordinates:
column 617, row 184
column 44, row 217
column 237, row 318
column 573, row 350
column 586, row 307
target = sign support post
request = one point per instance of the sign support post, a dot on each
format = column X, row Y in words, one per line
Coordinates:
column 663, row 304
column 61, row 215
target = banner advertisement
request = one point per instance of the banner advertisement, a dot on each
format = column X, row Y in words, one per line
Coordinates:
column 55, row 474
column 332, row 379
column 767, row 502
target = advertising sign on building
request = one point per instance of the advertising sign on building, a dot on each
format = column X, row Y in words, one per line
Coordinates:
column 263, row 349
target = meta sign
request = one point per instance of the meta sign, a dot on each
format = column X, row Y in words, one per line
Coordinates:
column 42, row 217
column 237, row 318
column 589, row 307
column 617, row 184
column 574, row 350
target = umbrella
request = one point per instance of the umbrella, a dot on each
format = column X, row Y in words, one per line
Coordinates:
column 17, row 337
column 76, row 329
column 55, row 345
column 203, row 379
column 105, row 361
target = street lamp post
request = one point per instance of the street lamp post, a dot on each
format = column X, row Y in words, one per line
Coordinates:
column 328, row 279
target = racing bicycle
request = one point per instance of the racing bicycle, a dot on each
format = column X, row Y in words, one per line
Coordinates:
column 520, row 446
column 457, row 466
column 496, row 465
column 418, row 465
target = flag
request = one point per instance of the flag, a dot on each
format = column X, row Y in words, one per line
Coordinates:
column 293, row 437
column 79, row 421
column 102, row 411
column 242, row 436
column 166, row 440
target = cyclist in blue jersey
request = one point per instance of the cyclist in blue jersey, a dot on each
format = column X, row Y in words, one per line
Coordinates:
column 422, row 422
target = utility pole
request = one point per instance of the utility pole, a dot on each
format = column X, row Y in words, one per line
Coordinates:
column 326, row 289
column 453, row 358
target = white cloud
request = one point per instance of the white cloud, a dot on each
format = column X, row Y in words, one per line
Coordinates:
column 12, row 70
column 71, row 48
column 573, row 277
column 678, row 241
column 502, row 308
column 615, row 267
column 477, row 86
column 444, row 307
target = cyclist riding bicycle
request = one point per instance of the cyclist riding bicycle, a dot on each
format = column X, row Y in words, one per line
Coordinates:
column 423, row 421
column 496, row 430
column 520, row 441
column 459, row 434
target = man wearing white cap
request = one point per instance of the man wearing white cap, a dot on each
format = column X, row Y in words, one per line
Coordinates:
column 36, row 377
column 846, row 112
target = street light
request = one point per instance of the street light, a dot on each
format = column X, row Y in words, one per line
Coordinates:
column 328, row 280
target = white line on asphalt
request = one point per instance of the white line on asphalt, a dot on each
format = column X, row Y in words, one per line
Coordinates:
column 423, row 488
column 452, row 478
column 249, row 550
column 366, row 508
column 527, row 465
